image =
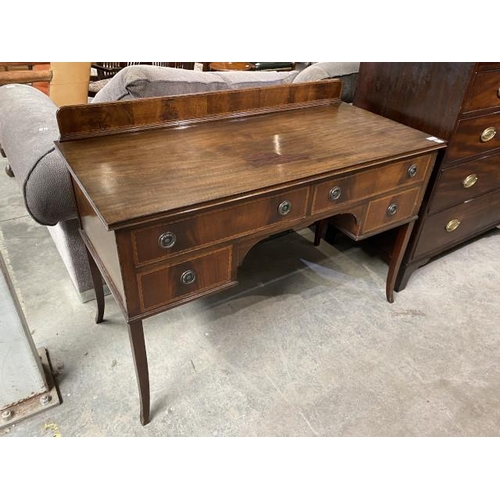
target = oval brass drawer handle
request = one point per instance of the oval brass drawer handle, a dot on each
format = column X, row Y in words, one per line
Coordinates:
column 392, row 209
column 285, row 207
column 188, row 277
column 335, row 193
column 469, row 181
column 452, row 225
column 488, row 134
column 167, row 240
column 412, row 170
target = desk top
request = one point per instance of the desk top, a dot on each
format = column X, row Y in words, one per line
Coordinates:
column 131, row 176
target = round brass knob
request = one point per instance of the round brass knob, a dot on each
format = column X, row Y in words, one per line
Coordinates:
column 498, row 93
column 412, row 170
column 392, row 209
column 335, row 193
column 469, row 181
column 452, row 225
column 188, row 277
column 488, row 134
column 167, row 240
column 284, row 207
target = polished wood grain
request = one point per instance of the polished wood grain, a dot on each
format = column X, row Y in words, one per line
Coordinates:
column 162, row 285
column 370, row 182
column 406, row 204
column 163, row 171
column 450, row 190
column 423, row 95
column 457, row 102
column 127, row 116
column 466, row 141
column 484, row 93
column 221, row 186
column 219, row 225
column 475, row 216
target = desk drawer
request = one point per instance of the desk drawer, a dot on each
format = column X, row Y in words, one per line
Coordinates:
column 475, row 136
column 485, row 92
column 466, row 181
column 330, row 194
column 162, row 286
column 217, row 225
column 456, row 224
column 391, row 209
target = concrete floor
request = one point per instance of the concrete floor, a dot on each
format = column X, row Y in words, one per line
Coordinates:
column 306, row 345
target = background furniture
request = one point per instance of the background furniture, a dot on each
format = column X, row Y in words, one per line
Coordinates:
column 172, row 211
column 28, row 129
column 458, row 102
column 102, row 72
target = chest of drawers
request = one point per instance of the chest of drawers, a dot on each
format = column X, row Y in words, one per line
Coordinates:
column 173, row 192
column 460, row 103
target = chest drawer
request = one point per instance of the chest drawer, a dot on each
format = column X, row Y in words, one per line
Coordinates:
column 167, row 284
column 475, row 136
column 459, row 223
column 160, row 241
column 335, row 192
column 465, row 181
column 485, row 92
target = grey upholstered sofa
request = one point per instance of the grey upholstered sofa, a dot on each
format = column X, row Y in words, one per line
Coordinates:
column 28, row 129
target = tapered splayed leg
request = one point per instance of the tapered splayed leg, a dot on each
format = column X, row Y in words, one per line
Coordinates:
column 98, row 288
column 398, row 252
column 137, row 343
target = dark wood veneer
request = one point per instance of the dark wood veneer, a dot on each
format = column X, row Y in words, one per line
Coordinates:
column 243, row 165
column 457, row 102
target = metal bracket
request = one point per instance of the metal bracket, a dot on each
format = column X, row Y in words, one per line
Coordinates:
column 37, row 403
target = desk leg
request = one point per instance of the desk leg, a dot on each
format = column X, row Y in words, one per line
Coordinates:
column 398, row 252
column 136, row 335
column 98, row 288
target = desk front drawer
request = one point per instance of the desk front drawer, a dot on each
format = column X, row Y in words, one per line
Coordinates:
column 459, row 223
column 389, row 210
column 466, row 181
column 161, row 241
column 162, row 286
column 485, row 92
column 374, row 181
column 475, row 136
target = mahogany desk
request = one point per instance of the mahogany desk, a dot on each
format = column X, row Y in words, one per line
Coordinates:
column 173, row 192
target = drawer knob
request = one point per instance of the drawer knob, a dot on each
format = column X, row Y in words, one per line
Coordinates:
column 167, row 240
column 188, row 277
column 488, row 134
column 469, row 181
column 335, row 193
column 392, row 209
column 498, row 93
column 452, row 225
column 412, row 170
column 284, row 207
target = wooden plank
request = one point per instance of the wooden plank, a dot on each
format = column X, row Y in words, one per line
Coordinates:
column 25, row 76
column 76, row 122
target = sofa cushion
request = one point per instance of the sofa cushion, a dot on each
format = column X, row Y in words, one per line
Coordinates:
column 323, row 70
column 28, row 129
column 246, row 79
column 346, row 72
column 139, row 81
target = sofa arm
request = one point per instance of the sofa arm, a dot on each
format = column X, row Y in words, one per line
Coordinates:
column 347, row 72
column 28, row 129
